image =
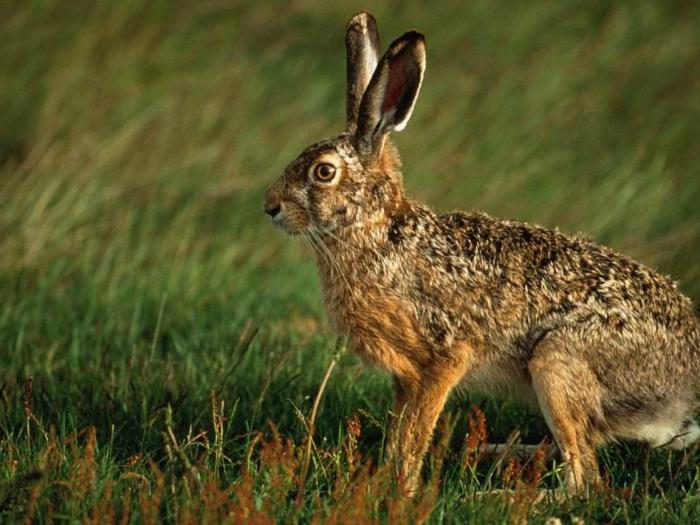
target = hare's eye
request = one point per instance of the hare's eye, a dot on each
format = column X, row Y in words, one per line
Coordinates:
column 324, row 172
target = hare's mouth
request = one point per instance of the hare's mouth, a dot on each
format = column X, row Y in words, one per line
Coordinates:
column 278, row 218
column 291, row 218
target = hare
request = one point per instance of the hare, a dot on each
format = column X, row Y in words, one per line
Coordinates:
column 605, row 347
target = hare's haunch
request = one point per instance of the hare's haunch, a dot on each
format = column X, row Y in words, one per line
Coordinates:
column 604, row 346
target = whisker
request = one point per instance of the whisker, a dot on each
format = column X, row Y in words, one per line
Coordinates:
column 331, row 258
column 312, row 245
column 325, row 251
column 319, row 236
column 343, row 242
column 315, row 238
column 311, row 241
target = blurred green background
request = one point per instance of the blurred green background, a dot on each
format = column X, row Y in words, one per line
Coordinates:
column 137, row 140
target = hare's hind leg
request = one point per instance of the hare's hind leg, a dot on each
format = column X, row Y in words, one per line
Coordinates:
column 569, row 397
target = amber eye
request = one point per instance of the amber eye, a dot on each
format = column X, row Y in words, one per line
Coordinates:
column 324, row 172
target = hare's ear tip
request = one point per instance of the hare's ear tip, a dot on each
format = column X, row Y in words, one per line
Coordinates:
column 362, row 21
column 412, row 37
column 412, row 41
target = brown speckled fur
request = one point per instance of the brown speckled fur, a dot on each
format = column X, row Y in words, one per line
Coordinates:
column 604, row 346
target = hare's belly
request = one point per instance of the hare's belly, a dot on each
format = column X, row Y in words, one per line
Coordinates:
column 500, row 380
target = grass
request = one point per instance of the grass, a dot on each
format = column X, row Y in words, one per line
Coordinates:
column 161, row 345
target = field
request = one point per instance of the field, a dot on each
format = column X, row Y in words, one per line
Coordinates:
column 162, row 345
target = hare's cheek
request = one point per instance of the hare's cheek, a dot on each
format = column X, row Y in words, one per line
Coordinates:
column 325, row 216
column 295, row 219
column 342, row 213
column 346, row 214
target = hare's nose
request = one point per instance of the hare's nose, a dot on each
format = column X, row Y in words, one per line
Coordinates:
column 273, row 210
column 273, row 202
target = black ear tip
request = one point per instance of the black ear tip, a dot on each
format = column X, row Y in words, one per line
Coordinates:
column 409, row 40
column 413, row 37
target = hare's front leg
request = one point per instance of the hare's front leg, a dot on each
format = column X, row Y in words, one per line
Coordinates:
column 396, row 417
column 418, row 405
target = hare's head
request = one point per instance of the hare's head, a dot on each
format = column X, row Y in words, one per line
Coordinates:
column 354, row 179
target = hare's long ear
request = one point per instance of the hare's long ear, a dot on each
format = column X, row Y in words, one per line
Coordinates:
column 362, row 44
column 389, row 99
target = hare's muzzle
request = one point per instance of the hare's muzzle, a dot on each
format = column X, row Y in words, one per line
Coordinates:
column 285, row 212
column 272, row 204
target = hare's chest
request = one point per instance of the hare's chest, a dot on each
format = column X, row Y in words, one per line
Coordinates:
column 381, row 329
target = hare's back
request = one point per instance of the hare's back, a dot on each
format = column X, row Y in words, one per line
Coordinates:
column 565, row 273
